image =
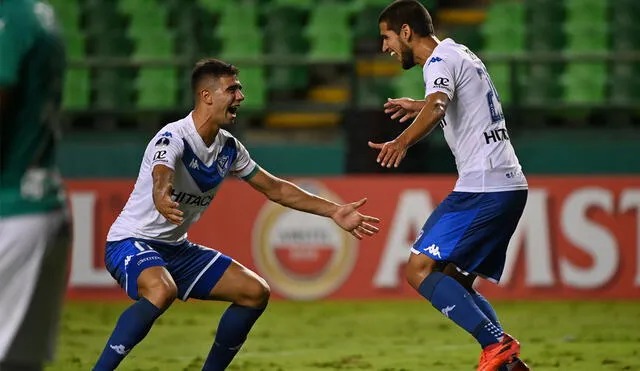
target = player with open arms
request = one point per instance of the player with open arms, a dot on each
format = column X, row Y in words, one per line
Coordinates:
column 468, row 233
column 147, row 251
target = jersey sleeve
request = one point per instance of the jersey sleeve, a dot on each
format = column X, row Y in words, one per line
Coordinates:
column 166, row 149
column 16, row 39
column 439, row 76
column 243, row 167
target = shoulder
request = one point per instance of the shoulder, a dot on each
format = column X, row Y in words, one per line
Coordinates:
column 228, row 139
column 19, row 10
column 170, row 135
column 172, row 131
column 225, row 134
column 446, row 53
column 19, row 20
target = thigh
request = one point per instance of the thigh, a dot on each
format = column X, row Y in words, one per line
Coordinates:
column 240, row 285
column 419, row 267
column 127, row 259
column 196, row 269
column 446, row 226
column 33, row 260
column 482, row 249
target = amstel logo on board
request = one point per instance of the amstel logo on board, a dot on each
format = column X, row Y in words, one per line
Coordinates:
column 302, row 256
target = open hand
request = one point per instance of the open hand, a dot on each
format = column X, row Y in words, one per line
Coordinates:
column 169, row 209
column 405, row 108
column 349, row 219
column 391, row 153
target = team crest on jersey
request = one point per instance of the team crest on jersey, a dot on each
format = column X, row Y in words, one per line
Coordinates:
column 303, row 256
column 223, row 163
column 209, row 177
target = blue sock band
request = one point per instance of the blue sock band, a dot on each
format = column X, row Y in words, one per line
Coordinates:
column 452, row 300
column 132, row 326
column 234, row 326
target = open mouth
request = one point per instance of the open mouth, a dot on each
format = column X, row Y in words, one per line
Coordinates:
column 233, row 110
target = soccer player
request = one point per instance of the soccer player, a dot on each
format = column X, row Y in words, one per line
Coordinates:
column 34, row 245
column 147, row 249
column 467, row 234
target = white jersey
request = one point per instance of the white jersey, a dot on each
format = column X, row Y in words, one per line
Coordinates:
column 474, row 125
column 199, row 171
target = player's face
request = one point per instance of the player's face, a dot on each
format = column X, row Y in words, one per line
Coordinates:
column 397, row 45
column 227, row 98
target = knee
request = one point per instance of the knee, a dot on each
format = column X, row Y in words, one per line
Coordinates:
column 465, row 280
column 159, row 292
column 255, row 294
column 418, row 268
column 414, row 276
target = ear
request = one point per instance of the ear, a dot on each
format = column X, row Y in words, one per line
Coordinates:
column 206, row 96
column 406, row 32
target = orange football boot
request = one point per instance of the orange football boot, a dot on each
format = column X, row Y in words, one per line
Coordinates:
column 496, row 355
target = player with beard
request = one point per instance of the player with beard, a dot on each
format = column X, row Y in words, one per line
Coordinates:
column 467, row 235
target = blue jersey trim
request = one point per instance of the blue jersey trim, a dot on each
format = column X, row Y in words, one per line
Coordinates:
column 209, row 177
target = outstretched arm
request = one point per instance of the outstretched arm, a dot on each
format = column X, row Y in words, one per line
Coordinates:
column 391, row 153
column 288, row 194
column 403, row 108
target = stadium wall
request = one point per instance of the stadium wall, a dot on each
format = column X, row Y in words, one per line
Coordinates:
column 117, row 155
column 579, row 238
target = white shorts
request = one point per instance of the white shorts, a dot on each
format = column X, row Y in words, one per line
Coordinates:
column 34, row 254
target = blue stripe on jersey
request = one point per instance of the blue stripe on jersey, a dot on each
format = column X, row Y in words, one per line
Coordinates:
column 209, row 177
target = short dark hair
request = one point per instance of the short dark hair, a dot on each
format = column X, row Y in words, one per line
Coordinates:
column 211, row 68
column 409, row 12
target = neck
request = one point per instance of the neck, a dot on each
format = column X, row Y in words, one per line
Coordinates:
column 423, row 49
column 205, row 126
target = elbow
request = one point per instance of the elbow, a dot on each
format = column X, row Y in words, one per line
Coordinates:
column 439, row 110
column 276, row 193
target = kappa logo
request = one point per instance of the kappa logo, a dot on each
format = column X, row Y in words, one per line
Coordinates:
column 194, row 164
column 434, row 250
column 448, row 309
column 120, row 349
column 167, row 134
column 434, row 60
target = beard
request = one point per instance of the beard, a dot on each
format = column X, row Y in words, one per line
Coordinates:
column 407, row 58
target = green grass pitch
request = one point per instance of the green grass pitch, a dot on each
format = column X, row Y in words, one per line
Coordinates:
column 376, row 335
